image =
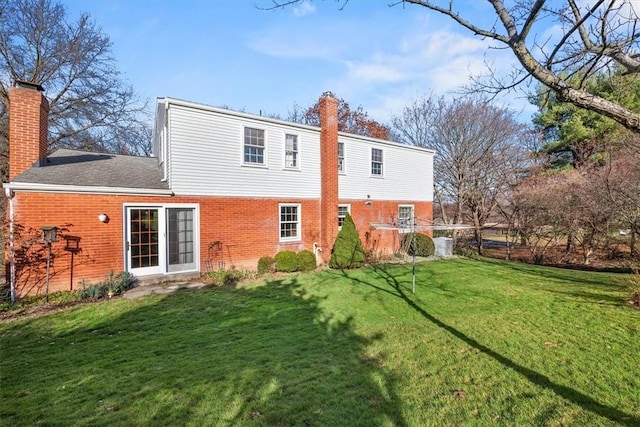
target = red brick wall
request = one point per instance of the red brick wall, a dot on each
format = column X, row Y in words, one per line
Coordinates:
column 246, row 229
column 29, row 113
column 329, row 172
column 383, row 242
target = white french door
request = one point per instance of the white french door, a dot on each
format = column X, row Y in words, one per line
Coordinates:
column 161, row 239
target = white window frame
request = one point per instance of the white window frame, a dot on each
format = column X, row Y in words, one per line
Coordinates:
column 341, row 159
column 296, row 152
column 298, row 221
column 402, row 224
column 342, row 217
column 381, row 162
column 264, row 147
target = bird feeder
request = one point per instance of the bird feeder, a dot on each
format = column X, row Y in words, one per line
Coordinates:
column 49, row 233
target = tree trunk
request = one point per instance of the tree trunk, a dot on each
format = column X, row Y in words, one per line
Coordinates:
column 571, row 247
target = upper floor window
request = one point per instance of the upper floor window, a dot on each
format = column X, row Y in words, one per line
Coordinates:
column 405, row 216
column 376, row 162
column 254, row 146
column 340, row 156
column 291, row 151
column 289, row 222
column 343, row 210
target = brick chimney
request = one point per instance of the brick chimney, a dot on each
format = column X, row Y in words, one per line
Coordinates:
column 28, row 127
column 329, row 173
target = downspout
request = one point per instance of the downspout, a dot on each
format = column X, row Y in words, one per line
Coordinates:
column 316, row 249
column 12, row 265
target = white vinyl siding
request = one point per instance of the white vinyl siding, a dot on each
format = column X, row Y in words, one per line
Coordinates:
column 291, row 151
column 290, row 219
column 206, row 151
column 408, row 171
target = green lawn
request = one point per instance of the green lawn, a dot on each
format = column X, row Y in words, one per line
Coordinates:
column 481, row 342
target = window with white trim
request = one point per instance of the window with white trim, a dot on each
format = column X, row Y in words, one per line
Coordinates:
column 341, row 157
column 289, row 222
column 254, row 146
column 376, row 162
column 343, row 210
column 405, row 216
column 291, row 151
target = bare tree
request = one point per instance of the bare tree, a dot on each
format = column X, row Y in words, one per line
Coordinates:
column 622, row 180
column 594, row 38
column 535, row 203
column 91, row 108
column 478, row 149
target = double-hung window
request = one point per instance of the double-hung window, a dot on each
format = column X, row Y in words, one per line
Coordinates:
column 341, row 157
column 376, row 162
column 291, row 151
column 254, row 146
column 289, row 222
column 405, row 216
column 343, row 210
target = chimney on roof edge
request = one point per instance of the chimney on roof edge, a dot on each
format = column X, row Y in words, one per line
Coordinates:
column 28, row 127
column 328, row 173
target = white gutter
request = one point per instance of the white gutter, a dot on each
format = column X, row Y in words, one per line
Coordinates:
column 81, row 189
column 12, row 265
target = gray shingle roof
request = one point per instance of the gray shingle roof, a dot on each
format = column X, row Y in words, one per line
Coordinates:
column 84, row 168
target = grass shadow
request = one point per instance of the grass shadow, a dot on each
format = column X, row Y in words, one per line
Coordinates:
column 267, row 355
column 586, row 287
column 402, row 291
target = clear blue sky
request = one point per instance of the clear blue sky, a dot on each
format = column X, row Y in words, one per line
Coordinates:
column 231, row 53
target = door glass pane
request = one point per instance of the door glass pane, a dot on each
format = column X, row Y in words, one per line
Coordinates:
column 144, row 238
column 180, row 233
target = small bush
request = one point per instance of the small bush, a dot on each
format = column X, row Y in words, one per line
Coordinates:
column 116, row 284
column 347, row 250
column 287, row 261
column 266, row 264
column 93, row 292
column 306, row 260
column 421, row 246
column 224, row 277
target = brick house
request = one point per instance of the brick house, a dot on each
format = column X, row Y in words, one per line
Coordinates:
column 222, row 189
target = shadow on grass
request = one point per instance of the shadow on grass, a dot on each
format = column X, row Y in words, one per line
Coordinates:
column 586, row 402
column 262, row 356
column 584, row 284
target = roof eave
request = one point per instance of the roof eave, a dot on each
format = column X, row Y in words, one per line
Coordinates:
column 83, row 189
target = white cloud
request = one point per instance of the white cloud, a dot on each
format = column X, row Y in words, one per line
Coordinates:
column 304, row 8
column 373, row 72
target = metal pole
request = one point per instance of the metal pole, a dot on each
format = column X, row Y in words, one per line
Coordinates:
column 413, row 244
column 46, row 295
column 71, row 275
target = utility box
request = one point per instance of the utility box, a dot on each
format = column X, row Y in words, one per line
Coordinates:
column 443, row 246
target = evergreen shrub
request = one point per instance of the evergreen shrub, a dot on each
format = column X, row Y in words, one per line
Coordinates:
column 306, row 260
column 423, row 245
column 347, row 250
column 266, row 264
column 287, row 261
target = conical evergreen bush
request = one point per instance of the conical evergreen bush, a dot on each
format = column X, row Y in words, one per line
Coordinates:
column 347, row 250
